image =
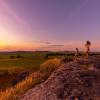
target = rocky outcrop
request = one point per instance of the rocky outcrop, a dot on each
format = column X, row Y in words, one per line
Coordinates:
column 20, row 78
column 76, row 80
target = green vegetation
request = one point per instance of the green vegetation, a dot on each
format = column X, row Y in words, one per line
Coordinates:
column 13, row 63
column 27, row 60
column 35, row 78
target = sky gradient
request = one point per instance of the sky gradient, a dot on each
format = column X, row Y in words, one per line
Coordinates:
column 49, row 24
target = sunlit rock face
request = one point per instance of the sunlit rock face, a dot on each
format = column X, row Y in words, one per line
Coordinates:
column 75, row 80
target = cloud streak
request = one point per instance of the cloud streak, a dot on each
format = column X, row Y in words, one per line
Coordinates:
column 55, row 46
column 51, row 47
column 41, row 42
column 14, row 15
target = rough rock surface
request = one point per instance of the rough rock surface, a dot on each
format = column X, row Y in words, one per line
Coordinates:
column 76, row 80
column 21, row 77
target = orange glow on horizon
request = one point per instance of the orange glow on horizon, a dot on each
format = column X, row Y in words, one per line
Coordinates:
column 35, row 46
column 9, row 42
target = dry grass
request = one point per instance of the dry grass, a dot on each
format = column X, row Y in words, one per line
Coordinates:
column 50, row 65
column 46, row 69
column 15, row 92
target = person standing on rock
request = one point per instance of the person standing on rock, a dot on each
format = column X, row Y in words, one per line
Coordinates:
column 87, row 45
column 76, row 53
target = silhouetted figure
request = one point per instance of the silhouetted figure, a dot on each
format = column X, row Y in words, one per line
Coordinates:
column 87, row 45
column 76, row 53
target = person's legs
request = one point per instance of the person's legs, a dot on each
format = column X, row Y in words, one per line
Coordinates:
column 87, row 54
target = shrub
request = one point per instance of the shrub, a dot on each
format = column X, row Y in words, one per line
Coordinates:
column 18, row 56
column 12, row 57
column 6, row 73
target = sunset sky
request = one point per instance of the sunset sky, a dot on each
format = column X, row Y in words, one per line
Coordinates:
column 49, row 24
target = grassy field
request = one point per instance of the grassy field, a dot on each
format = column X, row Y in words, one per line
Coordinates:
column 27, row 60
column 13, row 63
column 11, row 66
column 14, row 93
column 23, row 60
